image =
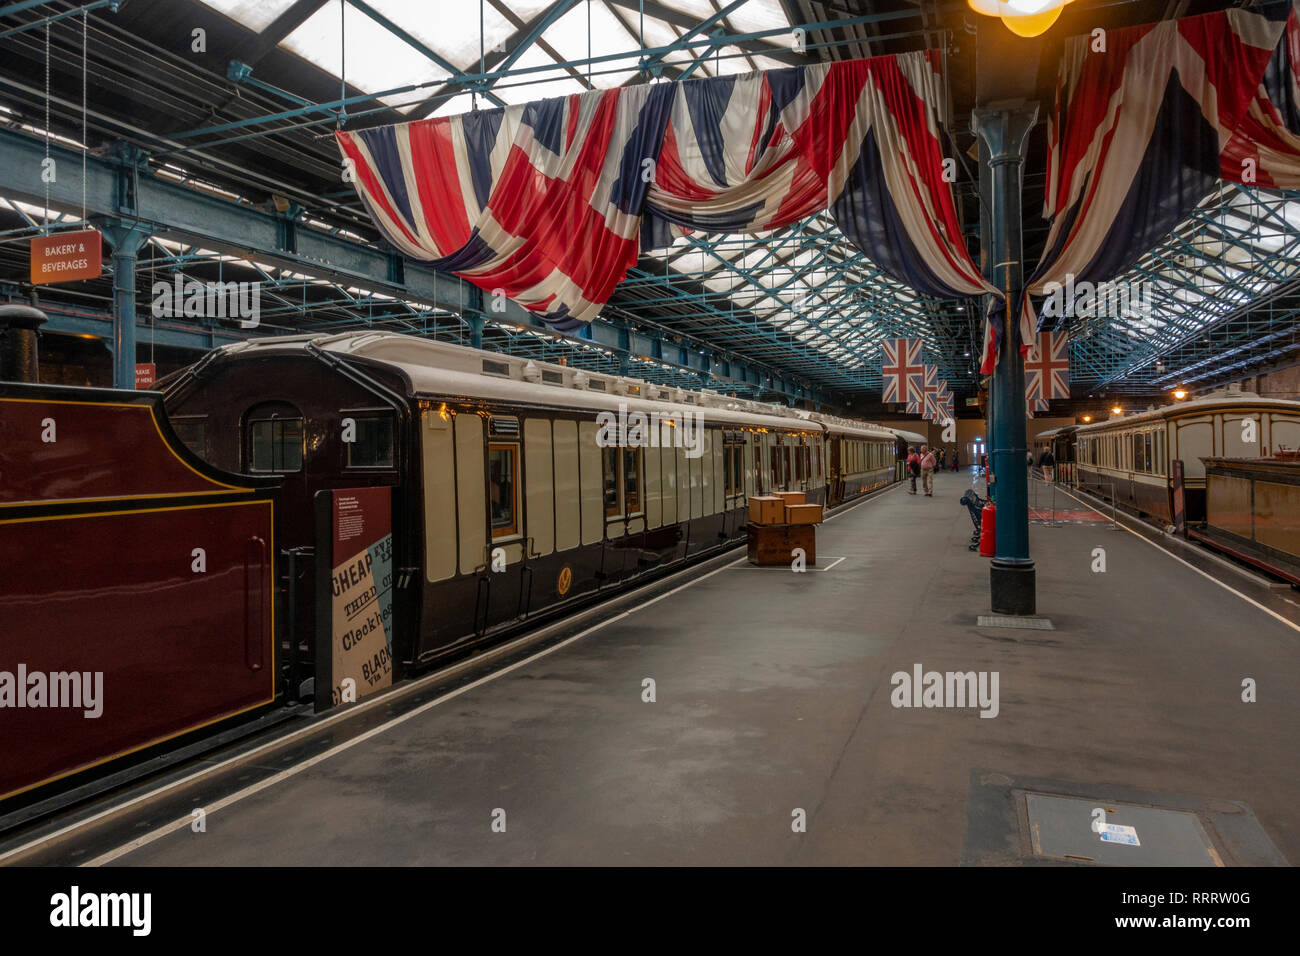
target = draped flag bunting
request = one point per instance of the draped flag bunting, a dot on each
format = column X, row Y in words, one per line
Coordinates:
column 1047, row 366
column 1142, row 130
column 902, row 370
column 942, row 399
column 549, row 203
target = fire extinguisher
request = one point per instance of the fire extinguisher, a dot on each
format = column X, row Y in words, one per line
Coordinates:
column 988, row 530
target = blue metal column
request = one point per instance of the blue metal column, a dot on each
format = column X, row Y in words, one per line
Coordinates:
column 126, row 236
column 1003, row 132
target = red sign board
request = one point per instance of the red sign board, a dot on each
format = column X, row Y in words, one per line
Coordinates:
column 67, row 257
column 146, row 373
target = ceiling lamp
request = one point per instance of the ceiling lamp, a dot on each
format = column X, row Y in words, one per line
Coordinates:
column 1026, row 18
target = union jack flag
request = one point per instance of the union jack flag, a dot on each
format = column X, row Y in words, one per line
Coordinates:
column 550, row 203
column 943, row 398
column 1140, row 135
column 1034, row 404
column 902, row 371
column 1047, row 367
column 930, row 393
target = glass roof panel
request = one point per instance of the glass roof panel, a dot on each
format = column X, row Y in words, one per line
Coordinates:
column 375, row 58
column 731, row 60
column 568, row 36
column 453, row 33
column 767, row 63
column 657, row 34
column 702, row 9
column 539, row 85
column 257, row 15
column 758, row 15
column 460, row 103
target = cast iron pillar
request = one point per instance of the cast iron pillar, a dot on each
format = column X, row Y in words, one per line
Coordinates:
column 1003, row 132
column 126, row 236
column 20, row 327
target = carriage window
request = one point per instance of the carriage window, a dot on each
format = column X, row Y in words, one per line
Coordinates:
column 503, row 502
column 632, row 480
column 623, row 470
column 609, row 468
column 372, row 444
column 192, row 432
column 275, row 444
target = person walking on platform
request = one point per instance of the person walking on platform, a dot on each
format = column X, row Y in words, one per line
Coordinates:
column 955, row 459
column 927, row 470
column 939, row 464
column 913, row 468
column 1048, row 464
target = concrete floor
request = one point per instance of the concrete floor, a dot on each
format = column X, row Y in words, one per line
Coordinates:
column 773, row 694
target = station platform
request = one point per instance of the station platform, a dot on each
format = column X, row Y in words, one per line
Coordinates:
column 773, row 695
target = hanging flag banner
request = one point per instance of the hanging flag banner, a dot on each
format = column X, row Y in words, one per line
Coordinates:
column 550, row 203
column 902, row 371
column 930, row 393
column 1034, row 405
column 67, row 257
column 1047, row 367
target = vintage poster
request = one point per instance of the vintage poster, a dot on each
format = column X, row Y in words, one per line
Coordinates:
column 361, row 592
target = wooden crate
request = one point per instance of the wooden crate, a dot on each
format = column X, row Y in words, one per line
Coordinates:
column 803, row 514
column 791, row 497
column 766, row 509
column 771, row 545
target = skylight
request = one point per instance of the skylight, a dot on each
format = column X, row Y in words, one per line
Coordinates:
column 374, row 57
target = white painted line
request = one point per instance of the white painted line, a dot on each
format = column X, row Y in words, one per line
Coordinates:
column 183, row 822
column 1245, row 597
column 783, row 567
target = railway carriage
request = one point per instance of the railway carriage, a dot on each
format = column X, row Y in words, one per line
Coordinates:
column 1128, row 459
column 583, row 481
column 1060, row 442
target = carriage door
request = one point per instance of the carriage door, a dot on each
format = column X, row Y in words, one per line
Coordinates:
column 835, row 484
column 501, row 584
column 539, row 513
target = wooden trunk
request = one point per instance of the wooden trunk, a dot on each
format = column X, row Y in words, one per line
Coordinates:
column 775, row 544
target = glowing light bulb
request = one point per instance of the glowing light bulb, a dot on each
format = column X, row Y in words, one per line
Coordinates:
column 1026, row 18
